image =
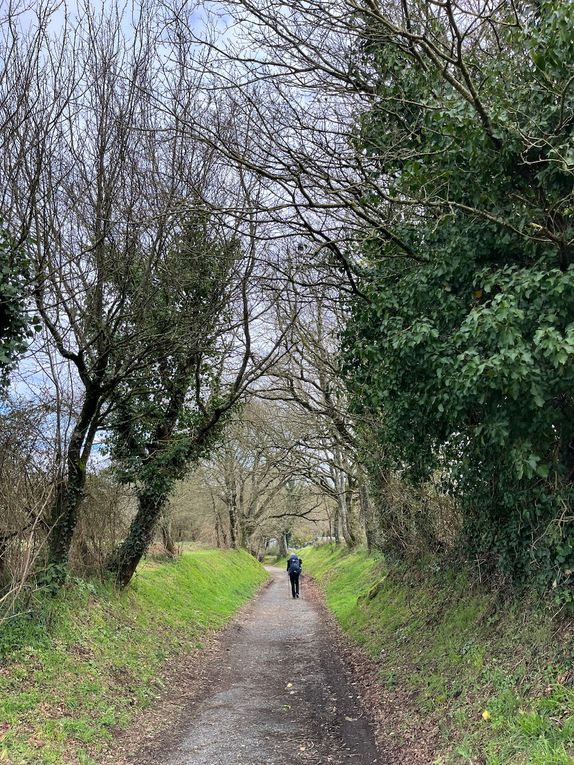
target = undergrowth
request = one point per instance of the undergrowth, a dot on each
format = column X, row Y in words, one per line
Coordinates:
column 495, row 674
column 75, row 667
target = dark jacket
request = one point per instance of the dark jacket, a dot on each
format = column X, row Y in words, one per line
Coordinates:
column 300, row 563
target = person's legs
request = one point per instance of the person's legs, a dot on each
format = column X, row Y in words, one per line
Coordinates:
column 297, row 584
column 294, row 584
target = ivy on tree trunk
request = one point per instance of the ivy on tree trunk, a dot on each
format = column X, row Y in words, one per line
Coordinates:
column 63, row 516
column 127, row 556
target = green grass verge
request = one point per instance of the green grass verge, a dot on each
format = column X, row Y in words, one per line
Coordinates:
column 74, row 669
column 495, row 676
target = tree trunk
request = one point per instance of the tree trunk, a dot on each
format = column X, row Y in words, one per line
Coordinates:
column 353, row 521
column 232, row 509
column 64, row 514
column 258, row 551
column 63, row 517
column 223, row 529
column 247, row 529
column 368, row 517
column 342, row 488
column 125, row 559
column 4, row 574
column 344, row 520
column 167, row 537
column 218, row 531
column 337, row 525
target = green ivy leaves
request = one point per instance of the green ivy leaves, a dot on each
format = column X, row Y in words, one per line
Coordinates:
column 16, row 325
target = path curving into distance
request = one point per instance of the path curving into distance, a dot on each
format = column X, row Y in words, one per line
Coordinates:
column 277, row 695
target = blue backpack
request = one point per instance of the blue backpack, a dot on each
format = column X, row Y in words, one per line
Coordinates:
column 294, row 565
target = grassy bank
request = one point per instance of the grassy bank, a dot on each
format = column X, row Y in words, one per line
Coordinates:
column 494, row 677
column 74, row 669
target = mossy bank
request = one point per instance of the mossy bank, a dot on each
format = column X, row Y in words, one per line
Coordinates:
column 74, row 668
column 492, row 677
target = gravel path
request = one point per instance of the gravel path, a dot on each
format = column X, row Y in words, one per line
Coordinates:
column 277, row 695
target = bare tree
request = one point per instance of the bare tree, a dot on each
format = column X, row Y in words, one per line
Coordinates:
column 253, row 478
column 311, row 381
column 294, row 88
column 109, row 187
column 251, row 488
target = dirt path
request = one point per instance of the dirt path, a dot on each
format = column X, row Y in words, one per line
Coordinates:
column 277, row 695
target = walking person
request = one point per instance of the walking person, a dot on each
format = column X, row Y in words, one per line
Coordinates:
column 294, row 566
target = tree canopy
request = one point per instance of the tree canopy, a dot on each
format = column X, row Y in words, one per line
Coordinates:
column 465, row 348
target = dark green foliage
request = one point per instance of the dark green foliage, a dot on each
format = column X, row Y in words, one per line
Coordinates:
column 161, row 406
column 465, row 348
column 15, row 323
column 169, row 412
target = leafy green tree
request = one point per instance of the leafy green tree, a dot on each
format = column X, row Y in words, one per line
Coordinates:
column 95, row 175
column 464, row 347
column 168, row 411
column 171, row 412
column 15, row 322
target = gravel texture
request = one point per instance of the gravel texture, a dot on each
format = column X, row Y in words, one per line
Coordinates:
column 274, row 691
